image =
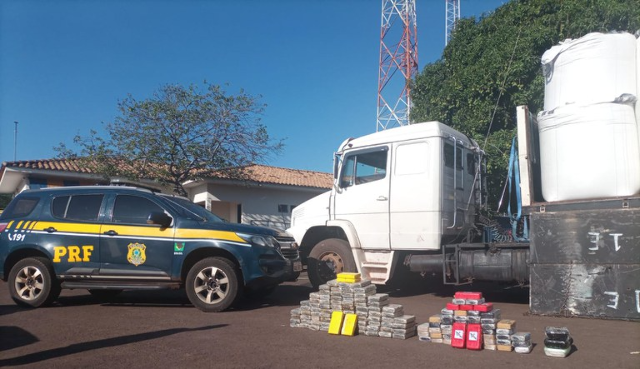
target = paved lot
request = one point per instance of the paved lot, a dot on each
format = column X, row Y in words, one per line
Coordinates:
column 160, row 330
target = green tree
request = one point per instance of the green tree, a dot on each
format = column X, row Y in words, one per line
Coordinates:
column 5, row 199
column 492, row 65
column 178, row 134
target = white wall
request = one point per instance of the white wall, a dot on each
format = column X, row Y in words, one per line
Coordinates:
column 259, row 203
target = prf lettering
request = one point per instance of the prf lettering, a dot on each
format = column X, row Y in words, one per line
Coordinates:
column 72, row 253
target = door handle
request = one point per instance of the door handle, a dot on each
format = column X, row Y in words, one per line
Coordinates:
column 382, row 198
column 111, row 233
column 50, row 230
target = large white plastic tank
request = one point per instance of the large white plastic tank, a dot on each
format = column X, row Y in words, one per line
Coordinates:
column 589, row 151
column 595, row 68
column 638, row 86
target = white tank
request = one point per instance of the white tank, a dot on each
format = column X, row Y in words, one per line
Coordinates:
column 589, row 151
column 638, row 86
column 595, row 68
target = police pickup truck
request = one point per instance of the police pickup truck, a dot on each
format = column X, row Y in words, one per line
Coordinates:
column 108, row 239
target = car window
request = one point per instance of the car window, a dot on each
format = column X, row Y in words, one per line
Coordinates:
column 133, row 209
column 83, row 207
column 19, row 208
column 190, row 210
column 59, row 206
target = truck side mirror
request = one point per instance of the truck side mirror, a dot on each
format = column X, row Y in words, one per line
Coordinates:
column 159, row 218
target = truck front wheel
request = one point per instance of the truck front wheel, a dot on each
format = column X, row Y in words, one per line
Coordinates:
column 328, row 258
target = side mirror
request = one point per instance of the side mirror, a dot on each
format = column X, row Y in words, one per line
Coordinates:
column 159, row 218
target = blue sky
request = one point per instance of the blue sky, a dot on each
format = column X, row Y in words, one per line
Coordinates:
column 65, row 64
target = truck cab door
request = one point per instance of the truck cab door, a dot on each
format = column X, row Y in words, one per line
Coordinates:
column 362, row 195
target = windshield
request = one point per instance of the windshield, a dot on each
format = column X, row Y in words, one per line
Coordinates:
column 190, row 210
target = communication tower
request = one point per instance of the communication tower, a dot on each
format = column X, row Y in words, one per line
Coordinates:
column 398, row 62
column 452, row 13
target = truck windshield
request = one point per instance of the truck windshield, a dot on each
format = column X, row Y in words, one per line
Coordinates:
column 192, row 211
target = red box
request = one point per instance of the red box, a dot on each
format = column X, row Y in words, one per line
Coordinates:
column 487, row 306
column 468, row 295
column 459, row 334
column 474, row 337
column 467, row 307
column 452, row 306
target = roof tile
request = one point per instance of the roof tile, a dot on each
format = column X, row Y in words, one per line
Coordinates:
column 256, row 172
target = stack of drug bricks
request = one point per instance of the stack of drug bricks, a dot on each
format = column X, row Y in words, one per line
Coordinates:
column 349, row 301
column 470, row 322
column 557, row 341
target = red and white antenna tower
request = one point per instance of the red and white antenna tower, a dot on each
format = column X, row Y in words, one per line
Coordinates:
column 398, row 53
column 452, row 13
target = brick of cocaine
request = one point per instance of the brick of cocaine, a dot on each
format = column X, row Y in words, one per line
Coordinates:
column 505, row 331
column 403, row 334
column 405, row 319
column 393, row 310
column 473, row 319
column 495, row 313
column 506, row 324
column 378, row 297
column 521, row 337
column 489, row 339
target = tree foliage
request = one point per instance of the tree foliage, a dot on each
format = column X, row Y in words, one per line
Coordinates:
column 178, row 134
column 5, row 199
column 492, row 65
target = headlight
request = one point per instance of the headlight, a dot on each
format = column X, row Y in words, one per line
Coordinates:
column 264, row 241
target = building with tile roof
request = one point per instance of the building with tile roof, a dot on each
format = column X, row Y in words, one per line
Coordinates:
column 265, row 195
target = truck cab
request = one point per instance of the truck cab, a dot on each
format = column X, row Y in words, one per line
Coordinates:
column 396, row 192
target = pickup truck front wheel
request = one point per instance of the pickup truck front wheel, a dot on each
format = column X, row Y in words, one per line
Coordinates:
column 328, row 258
column 32, row 282
column 212, row 284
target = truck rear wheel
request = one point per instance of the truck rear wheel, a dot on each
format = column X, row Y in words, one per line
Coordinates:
column 328, row 258
column 212, row 284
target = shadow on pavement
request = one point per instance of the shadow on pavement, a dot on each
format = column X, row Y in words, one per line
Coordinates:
column 98, row 344
column 13, row 337
column 284, row 295
column 492, row 292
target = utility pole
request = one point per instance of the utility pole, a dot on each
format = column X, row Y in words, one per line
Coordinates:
column 15, row 141
column 398, row 53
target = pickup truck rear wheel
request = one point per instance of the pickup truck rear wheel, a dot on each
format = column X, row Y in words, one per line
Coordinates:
column 212, row 284
column 32, row 282
column 328, row 258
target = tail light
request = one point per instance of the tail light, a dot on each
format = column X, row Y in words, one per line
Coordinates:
column 3, row 226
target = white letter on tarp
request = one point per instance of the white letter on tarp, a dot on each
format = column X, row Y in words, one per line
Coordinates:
column 594, row 240
column 638, row 300
column 615, row 239
column 614, row 300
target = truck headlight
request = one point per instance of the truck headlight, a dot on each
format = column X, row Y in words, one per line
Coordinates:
column 258, row 240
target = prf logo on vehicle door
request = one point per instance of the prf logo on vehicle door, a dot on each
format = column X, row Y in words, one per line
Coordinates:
column 136, row 254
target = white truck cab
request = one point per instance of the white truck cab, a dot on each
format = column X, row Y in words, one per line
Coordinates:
column 396, row 192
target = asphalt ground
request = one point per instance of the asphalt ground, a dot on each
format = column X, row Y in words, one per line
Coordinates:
column 160, row 329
